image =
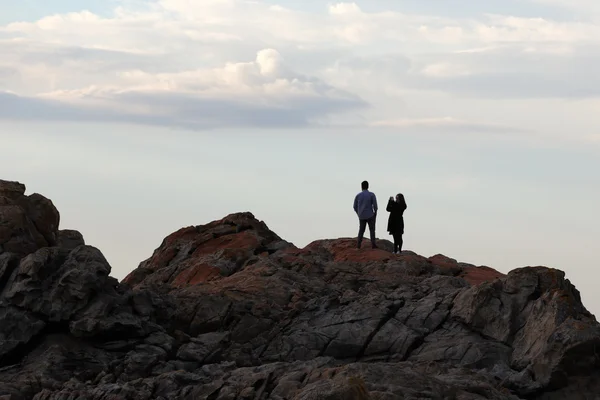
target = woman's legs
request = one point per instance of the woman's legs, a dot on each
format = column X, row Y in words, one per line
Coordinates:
column 397, row 242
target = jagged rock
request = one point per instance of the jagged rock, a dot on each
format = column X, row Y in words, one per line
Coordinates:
column 19, row 327
column 27, row 223
column 8, row 264
column 539, row 314
column 228, row 310
column 70, row 239
column 204, row 253
column 57, row 284
column 204, row 349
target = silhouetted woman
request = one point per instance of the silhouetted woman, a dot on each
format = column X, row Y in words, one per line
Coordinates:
column 396, row 220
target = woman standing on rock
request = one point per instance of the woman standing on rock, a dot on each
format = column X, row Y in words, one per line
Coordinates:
column 396, row 220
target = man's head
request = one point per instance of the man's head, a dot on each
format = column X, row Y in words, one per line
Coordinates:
column 365, row 185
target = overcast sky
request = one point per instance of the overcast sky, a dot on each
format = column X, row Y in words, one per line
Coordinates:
column 140, row 117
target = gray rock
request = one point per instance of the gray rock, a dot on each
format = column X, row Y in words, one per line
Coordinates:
column 70, row 239
column 11, row 190
column 56, row 283
column 205, row 349
column 18, row 328
column 27, row 223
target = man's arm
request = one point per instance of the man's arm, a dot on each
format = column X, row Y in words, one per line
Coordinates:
column 374, row 203
column 356, row 204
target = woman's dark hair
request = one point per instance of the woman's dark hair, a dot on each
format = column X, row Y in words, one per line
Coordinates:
column 402, row 200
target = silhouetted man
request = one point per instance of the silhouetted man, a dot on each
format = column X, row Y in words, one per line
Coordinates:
column 365, row 206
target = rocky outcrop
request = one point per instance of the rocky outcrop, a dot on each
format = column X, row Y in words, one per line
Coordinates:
column 229, row 310
column 27, row 223
column 200, row 254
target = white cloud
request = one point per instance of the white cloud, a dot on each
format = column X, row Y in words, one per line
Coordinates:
column 263, row 92
column 445, row 69
column 195, row 61
column 500, row 28
column 345, row 9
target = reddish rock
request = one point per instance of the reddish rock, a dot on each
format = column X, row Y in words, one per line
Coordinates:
column 471, row 273
column 200, row 273
column 208, row 252
column 345, row 250
column 477, row 275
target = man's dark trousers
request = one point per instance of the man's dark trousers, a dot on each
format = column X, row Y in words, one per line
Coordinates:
column 363, row 226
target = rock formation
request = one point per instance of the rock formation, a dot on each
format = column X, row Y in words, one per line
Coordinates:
column 229, row 310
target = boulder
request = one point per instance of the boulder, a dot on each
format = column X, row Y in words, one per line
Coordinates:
column 27, row 223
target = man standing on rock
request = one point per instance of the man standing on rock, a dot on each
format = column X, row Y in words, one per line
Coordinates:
column 365, row 206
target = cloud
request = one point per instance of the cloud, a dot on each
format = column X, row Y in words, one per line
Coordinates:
column 589, row 7
column 190, row 113
column 236, row 62
column 515, row 71
column 6, row 74
column 445, row 70
column 503, row 29
column 513, row 85
column 16, row 107
column 263, row 92
column 446, row 124
column 508, row 71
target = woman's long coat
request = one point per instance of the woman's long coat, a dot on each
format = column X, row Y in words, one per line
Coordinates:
column 396, row 219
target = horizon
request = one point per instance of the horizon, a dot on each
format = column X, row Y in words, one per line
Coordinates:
column 161, row 114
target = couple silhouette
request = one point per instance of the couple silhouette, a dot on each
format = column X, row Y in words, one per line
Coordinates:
column 365, row 206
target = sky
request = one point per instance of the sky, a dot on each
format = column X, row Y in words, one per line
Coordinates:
column 140, row 117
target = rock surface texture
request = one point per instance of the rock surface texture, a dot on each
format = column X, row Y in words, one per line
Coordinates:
column 229, row 310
